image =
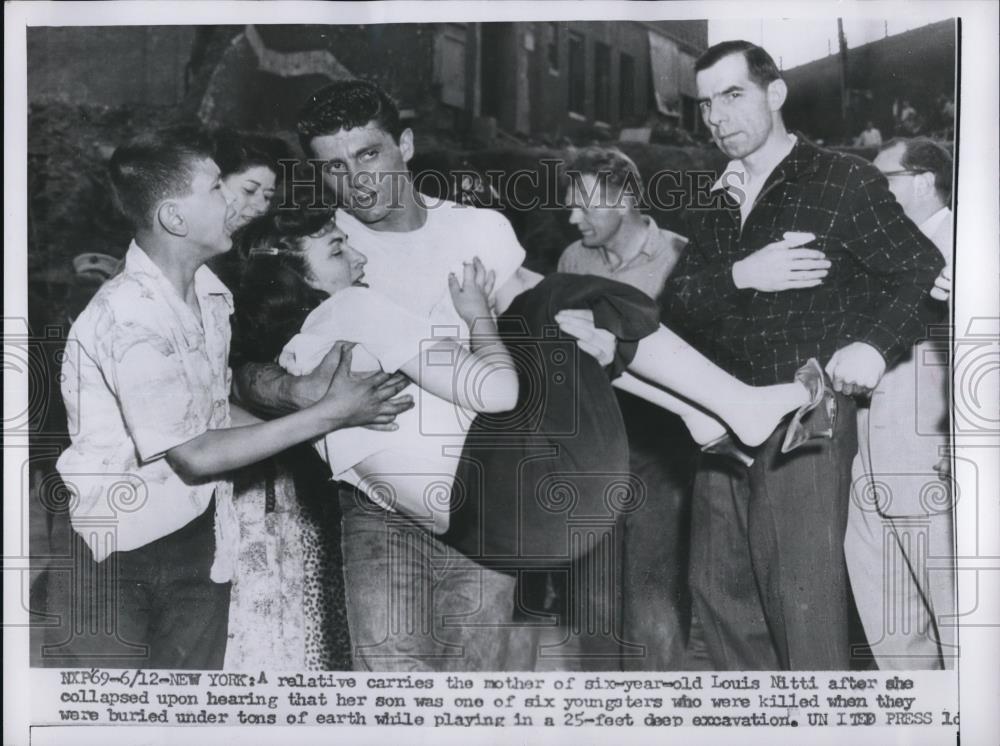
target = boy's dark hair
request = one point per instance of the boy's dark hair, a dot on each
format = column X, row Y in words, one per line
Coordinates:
column 923, row 154
column 275, row 296
column 761, row 65
column 347, row 104
column 154, row 166
column 235, row 152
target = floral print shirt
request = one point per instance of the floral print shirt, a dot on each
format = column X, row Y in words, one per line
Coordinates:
column 143, row 374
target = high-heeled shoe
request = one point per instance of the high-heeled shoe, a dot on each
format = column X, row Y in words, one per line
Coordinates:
column 816, row 419
column 724, row 445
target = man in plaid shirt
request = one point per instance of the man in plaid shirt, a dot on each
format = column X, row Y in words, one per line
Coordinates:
column 768, row 575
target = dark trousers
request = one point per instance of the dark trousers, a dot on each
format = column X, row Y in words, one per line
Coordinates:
column 655, row 557
column 768, row 577
column 638, row 603
column 151, row 607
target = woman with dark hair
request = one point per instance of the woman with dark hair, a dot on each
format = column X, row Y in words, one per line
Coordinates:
column 304, row 287
column 248, row 165
column 289, row 563
column 300, row 267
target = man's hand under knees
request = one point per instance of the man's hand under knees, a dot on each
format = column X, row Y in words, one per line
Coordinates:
column 598, row 343
column 782, row 266
column 856, row 368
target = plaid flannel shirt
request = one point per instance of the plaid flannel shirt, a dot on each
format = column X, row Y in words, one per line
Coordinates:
column 876, row 291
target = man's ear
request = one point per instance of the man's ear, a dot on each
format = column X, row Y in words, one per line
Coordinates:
column 924, row 186
column 168, row 215
column 406, row 144
column 777, row 92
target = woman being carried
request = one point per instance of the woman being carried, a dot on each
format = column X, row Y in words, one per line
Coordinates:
column 304, row 291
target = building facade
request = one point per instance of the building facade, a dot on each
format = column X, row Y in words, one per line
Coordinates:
column 529, row 78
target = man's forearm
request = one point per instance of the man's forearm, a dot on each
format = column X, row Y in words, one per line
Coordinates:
column 265, row 388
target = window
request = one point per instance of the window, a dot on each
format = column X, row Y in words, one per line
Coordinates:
column 577, row 82
column 553, row 47
column 690, row 114
column 626, row 87
column 602, row 82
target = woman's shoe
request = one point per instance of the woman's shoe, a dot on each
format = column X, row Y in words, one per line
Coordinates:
column 815, row 420
column 724, row 445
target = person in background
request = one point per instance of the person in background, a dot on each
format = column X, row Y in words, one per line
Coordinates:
column 900, row 522
column 249, row 167
column 620, row 243
column 870, row 136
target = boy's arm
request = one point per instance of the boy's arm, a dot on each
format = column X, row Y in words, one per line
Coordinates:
column 347, row 402
column 238, row 416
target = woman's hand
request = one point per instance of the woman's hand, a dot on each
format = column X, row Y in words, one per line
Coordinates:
column 471, row 298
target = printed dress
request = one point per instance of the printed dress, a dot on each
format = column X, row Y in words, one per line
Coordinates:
column 287, row 609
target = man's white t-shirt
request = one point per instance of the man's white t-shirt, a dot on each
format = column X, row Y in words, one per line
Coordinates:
column 411, row 268
column 406, row 310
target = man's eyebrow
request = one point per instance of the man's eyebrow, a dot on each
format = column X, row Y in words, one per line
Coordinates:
column 254, row 182
column 730, row 89
column 364, row 149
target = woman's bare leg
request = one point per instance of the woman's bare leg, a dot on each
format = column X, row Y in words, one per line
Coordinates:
column 752, row 412
column 704, row 428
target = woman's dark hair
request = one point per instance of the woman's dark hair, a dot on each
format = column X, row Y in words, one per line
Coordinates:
column 275, row 296
column 234, row 152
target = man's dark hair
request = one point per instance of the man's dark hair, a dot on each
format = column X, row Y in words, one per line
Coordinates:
column 923, row 154
column 154, row 166
column 610, row 165
column 762, row 69
column 347, row 104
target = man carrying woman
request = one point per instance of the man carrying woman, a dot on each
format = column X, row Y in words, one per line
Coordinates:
column 413, row 600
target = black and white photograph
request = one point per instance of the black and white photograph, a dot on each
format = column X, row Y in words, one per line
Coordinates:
column 577, row 369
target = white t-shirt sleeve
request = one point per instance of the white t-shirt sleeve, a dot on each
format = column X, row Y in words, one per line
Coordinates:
column 389, row 332
column 496, row 244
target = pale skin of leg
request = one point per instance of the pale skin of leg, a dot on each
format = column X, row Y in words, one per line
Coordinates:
column 668, row 362
column 704, row 427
